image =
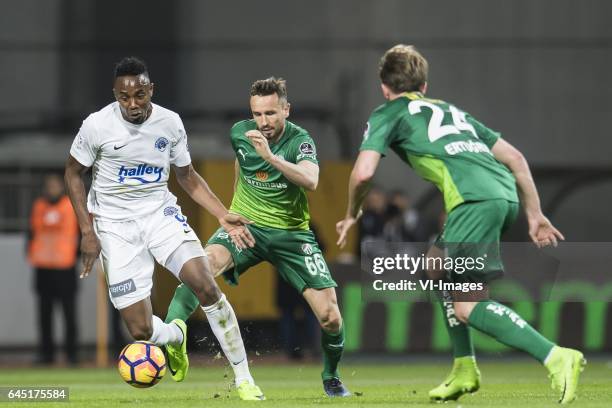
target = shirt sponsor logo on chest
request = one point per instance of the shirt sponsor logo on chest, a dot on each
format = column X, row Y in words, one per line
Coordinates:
column 142, row 174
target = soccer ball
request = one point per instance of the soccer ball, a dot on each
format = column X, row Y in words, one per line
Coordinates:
column 142, row 364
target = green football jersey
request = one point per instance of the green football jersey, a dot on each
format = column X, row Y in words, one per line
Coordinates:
column 444, row 145
column 263, row 194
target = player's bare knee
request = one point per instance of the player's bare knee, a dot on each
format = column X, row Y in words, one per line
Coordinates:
column 333, row 325
column 331, row 322
column 462, row 317
column 462, row 311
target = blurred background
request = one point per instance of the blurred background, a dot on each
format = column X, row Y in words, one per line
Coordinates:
column 536, row 71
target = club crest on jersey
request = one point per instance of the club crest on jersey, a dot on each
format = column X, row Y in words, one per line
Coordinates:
column 306, row 149
column 261, row 175
column 143, row 174
column 179, row 217
column 307, row 249
column 168, row 211
column 161, row 144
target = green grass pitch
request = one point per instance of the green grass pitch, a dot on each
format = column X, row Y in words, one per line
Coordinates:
column 505, row 384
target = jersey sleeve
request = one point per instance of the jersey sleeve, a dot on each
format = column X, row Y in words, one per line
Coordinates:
column 237, row 130
column 379, row 131
column 488, row 136
column 179, row 152
column 85, row 145
column 304, row 149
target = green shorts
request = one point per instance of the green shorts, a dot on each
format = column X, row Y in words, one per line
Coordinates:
column 473, row 231
column 295, row 254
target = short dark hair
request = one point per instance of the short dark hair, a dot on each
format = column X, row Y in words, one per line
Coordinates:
column 269, row 86
column 131, row 66
column 403, row 69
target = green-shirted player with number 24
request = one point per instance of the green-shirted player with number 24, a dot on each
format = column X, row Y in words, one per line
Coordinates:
column 276, row 161
column 478, row 174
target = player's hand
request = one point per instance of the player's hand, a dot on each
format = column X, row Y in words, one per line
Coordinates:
column 542, row 232
column 90, row 250
column 235, row 226
column 260, row 143
column 342, row 228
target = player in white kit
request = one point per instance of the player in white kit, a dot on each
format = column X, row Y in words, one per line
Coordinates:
column 130, row 218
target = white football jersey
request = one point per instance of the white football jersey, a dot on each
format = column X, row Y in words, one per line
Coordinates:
column 131, row 163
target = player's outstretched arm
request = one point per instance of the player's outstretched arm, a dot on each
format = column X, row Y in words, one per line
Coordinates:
column 304, row 173
column 541, row 230
column 90, row 245
column 359, row 184
column 201, row 193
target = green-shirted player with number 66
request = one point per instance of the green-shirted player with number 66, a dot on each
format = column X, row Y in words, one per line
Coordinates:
column 276, row 161
column 478, row 174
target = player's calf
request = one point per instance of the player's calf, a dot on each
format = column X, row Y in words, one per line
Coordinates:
column 142, row 331
column 206, row 294
column 138, row 319
column 325, row 307
column 196, row 275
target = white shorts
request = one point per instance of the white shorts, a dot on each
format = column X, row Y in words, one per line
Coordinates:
column 130, row 249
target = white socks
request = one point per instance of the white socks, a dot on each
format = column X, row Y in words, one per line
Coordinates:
column 165, row 333
column 224, row 325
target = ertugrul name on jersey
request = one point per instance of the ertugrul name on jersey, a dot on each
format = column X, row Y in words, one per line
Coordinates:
column 469, row 146
column 255, row 183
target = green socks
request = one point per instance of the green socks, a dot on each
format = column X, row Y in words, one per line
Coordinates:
column 333, row 346
column 458, row 332
column 183, row 304
column 507, row 327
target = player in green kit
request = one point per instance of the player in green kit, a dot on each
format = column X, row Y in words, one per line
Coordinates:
column 478, row 174
column 276, row 161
